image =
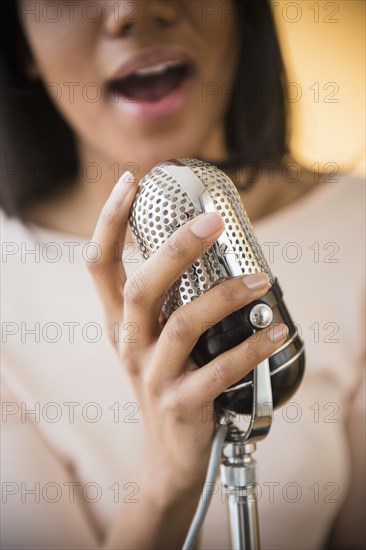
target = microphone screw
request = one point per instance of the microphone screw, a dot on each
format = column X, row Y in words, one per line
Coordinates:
column 261, row 316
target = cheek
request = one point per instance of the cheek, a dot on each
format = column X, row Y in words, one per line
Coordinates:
column 64, row 55
column 62, row 50
column 218, row 29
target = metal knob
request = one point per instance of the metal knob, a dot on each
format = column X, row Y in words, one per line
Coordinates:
column 261, row 316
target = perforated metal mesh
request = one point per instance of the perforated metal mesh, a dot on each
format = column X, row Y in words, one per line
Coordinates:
column 162, row 205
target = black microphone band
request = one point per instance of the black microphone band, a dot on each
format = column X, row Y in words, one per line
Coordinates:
column 236, row 328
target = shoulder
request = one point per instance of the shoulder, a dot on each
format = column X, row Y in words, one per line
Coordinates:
column 321, row 235
column 11, row 227
column 335, row 205
column 273, row 190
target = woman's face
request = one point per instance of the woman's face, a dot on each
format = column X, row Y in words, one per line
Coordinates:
column 137, row 81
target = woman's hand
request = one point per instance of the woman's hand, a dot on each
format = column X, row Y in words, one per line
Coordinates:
column 175, row 397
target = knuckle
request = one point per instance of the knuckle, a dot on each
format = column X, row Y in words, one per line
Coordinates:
column 129, row 363
column 217, row 375
column 174, row 248
column 96, row 259
column 91, row 266
column 95, row 267
column 135, row 289
column 151, row 383
column 178, row 327
column 225, row 292
column 173, row 405
column 252, row 352
column 108, row 214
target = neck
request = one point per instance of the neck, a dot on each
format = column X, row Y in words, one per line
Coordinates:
column 77, row 211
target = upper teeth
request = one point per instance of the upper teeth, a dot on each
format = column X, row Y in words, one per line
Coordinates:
column 159, row 68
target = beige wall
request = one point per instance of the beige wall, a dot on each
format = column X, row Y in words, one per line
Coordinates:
column 324, row 47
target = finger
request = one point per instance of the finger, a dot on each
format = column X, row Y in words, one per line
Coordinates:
column 145, row 288
column 209, row 381
column 109, row 235
column 187, row 323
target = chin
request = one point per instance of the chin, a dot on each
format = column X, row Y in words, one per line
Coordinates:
column 147, row 153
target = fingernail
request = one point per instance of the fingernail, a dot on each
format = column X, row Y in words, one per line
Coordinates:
column 207, row 224
column 256, row 281
column 278, row 333
column 122, row 186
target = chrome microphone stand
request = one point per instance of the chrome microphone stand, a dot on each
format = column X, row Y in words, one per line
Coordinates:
column 239, row 472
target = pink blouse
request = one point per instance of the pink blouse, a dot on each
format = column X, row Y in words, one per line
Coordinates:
column 72, row 429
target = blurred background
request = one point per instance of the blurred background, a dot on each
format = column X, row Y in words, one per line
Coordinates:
column 324, row 48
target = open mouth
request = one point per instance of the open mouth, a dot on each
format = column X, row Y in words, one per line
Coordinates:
column 151, row 84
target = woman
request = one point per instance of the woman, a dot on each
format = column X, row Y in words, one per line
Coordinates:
column 110, row 450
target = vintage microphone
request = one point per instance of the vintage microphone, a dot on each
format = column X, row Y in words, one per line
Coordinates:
column 171, row 194
column 176, row 191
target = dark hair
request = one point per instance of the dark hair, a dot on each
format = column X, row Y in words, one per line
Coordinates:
column 38, row 157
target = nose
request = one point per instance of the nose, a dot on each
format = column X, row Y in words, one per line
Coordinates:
column 139, row 17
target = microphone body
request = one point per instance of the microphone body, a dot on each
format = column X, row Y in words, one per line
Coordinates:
column 171, row 194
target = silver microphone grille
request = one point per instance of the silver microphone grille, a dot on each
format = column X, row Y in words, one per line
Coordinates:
column 174, row 192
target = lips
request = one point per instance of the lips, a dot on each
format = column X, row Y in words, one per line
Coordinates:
column 152, row 82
